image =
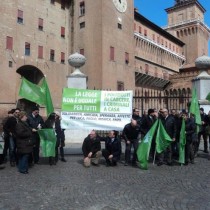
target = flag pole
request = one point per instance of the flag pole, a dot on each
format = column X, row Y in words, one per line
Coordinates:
column 154, row 157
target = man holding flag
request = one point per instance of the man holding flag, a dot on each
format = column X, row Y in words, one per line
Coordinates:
column 166, row 133
column 190, row 130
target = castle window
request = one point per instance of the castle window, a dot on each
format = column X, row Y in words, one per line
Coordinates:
column 27, row 49
column 63, row 32
column 145, row 32
column 82, row 25
column 62, row 57
column 120, row 85
column 20, row 16
column 119, row 25
column 111, row 54
column 52, row 55
column 40, row 24
column 9, row 43
column 40, row 52
column 126, row 58
column 140, row 29
column 82, row 51
column 82, row 8
column 63, row 4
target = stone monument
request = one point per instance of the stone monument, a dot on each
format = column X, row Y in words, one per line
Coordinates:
column 76, row 80
column 202, row 81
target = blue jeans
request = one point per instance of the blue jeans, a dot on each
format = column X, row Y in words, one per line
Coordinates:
column 12, row 149
column 23, row 162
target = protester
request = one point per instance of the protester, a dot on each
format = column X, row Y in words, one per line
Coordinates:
column 36, row 122
column 136, row 116
column 9, row 131
column 202, row 131
column 170, row 126
column 147, row 123
column 60, row 137
column 24, row 142
column 190, row 130
column 112, row 149
column 50, row 123
column 91, row 149
column 131, row 135
column 6, row 135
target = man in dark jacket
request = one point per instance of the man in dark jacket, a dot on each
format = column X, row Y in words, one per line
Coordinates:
column 9, row 131
column 60, row 137
column 131, row 134
column 204, row 119
column 147, row 123
column 112, row 149
column 170, row 126
column 91, row 149
column 136, row 116
column 36, row 122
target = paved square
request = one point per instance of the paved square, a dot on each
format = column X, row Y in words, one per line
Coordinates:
column 70, row 186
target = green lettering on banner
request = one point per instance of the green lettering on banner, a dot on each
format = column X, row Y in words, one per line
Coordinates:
column 116, row 102
column 79, row 100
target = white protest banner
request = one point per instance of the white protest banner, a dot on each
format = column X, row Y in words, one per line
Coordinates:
column 95, row 109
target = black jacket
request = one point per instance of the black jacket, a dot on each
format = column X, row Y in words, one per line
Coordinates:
column 91, row 145
column 24, row 138
column 59, row 132
column 147, row 123
column 190, row 128
column 131, row 133
column 114, row 147
column 170, row 126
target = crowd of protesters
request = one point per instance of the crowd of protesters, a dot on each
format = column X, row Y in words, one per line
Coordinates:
column 22, row 141
column 134, row 132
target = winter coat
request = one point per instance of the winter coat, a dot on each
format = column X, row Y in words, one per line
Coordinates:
column 91, row 145
column 23, row 138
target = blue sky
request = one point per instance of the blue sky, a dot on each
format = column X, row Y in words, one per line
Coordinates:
column 154, row 10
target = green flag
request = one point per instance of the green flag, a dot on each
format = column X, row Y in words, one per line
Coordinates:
column 144, row 147
column 194, row 107
column 163, row 140
column 208, row 97
column 182, row 142
column 47, row 142
column 31, row 92
column 47, row 97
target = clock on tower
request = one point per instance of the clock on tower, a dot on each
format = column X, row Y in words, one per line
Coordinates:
column 121, row 5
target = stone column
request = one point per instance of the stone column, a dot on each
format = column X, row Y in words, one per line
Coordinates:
column 78, row 80
column 202, row 82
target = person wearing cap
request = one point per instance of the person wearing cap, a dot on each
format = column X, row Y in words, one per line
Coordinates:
column 36, row 122
column 24, row 142
column 60, row 138
column 91, row 149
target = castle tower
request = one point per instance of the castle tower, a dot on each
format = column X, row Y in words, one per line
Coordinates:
column 186, row 22
column 101, row 32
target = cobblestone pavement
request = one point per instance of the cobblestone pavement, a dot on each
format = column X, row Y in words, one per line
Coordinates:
column 70, row 186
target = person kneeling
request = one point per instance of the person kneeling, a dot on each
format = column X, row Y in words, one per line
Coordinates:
column 91, row 149
column 112, row 149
